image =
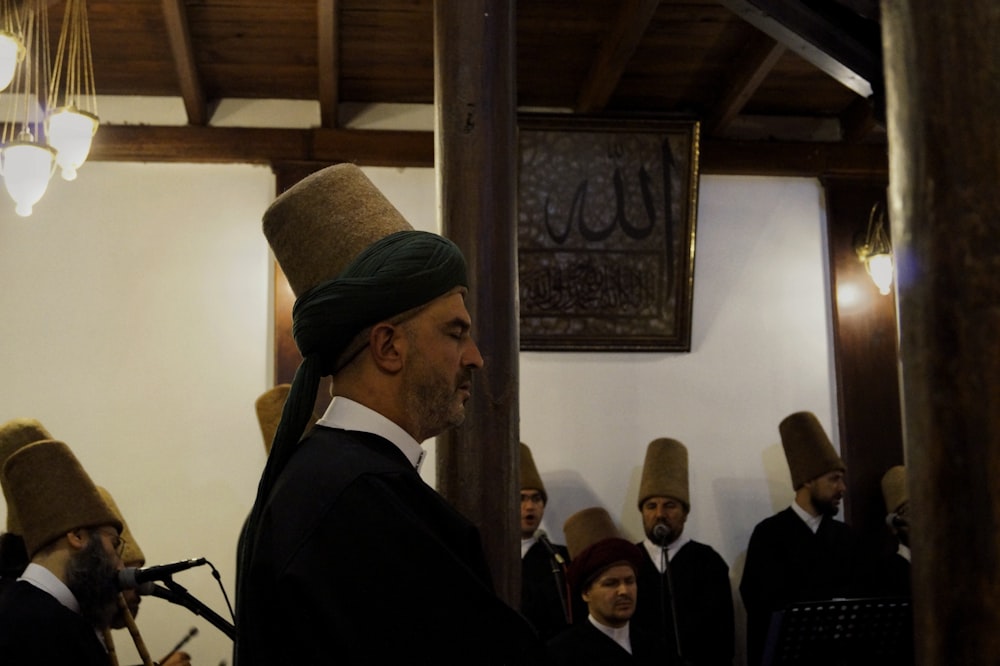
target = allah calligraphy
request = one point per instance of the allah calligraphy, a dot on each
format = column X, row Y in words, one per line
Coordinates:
column 606, row 228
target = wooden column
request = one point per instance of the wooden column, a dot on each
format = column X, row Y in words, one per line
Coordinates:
column 865, row 340
column 477, row 464
column 943, row 98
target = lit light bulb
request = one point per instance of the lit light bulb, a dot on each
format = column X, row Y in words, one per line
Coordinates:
column 27, row 168
column 880, row 268
column 11, row 53
column 71, row 131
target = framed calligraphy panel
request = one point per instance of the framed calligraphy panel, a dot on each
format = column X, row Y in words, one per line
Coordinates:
column 606, row 233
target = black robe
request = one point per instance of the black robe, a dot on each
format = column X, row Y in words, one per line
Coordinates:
column 542, row 592
column 37, row 630
column 704, row 602
column 786, row 563
column 358, row 561
column 583, row 644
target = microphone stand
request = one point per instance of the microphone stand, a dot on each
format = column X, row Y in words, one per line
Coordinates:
column 665, row 562
column 175, row 593
column 558, row 576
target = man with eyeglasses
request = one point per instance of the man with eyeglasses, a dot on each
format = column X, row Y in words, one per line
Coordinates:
column 56, row 611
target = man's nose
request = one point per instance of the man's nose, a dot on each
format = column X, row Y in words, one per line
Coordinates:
column 473, row 358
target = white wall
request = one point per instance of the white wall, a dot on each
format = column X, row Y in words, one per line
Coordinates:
column 136, row 328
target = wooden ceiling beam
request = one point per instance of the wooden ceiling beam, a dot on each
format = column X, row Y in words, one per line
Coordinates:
column 252, row 145
column 181, row 46
column 752, row 67
column 328, row 61
column 813, row 160
column 616, row 50
column 843, row 44
column 145, row 143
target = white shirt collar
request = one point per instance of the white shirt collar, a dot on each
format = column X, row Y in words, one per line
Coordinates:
column 47, row 581
column 904, row 551
column 617, row 634
column 526, row 545
column 654, row 551
column 812, row 522
column 346, row 414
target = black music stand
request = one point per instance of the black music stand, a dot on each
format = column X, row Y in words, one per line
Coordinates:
column 842, row 632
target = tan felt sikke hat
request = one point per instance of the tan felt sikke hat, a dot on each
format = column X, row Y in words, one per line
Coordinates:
column 52, row 494
column 807, row 448
column 665, row 472
column 530, row 478
column 14, row 435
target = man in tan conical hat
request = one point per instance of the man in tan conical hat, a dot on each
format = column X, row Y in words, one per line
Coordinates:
column 894, row 575
column 347, row 555
column 603, row 575
column 680, row 578
column 544, row 600
column 68, row 592
column 802, row 553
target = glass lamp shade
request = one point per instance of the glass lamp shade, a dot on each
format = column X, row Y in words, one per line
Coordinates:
column 70, row 131
column 11, row 53
column 27, row 168
column 880, row 268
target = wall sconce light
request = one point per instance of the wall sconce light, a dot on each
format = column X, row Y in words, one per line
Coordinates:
column 875, row 250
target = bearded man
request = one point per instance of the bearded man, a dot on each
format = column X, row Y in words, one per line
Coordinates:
column 802, row 553
column 57, row 610
column 348, row 556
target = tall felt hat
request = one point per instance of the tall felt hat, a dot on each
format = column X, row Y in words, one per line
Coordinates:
column 132, row 555
column 269, row 406
column 665, row 472
column 807, row 448
column 53, row 494
column 319, row 225
column 14, row 435
column 595, row 544
column 894, row 488
column 530, row 478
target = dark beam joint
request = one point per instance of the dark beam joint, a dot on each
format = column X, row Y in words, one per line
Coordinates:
column 179, row 34
column 754, row 64
column 616, row 50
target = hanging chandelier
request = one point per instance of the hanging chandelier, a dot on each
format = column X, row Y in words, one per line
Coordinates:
column 52, row 111
column 26, row 161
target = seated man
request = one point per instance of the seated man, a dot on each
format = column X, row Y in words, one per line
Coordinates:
column 603, row 573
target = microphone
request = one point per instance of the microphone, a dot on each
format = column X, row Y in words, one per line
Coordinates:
column 661, row 535
column 133, row 577
column 543, row 538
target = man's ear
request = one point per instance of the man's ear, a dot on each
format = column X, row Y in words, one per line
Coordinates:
column 388, row 346
column 76, row 540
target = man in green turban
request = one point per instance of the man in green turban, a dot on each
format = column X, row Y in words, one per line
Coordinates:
column 348, row 556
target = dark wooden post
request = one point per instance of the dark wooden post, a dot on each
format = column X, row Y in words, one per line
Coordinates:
column 477, row 464
column 943, row 113
column 865, row 337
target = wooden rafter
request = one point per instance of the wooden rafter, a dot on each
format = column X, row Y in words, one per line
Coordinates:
column 616, row 50
column 181, row 46
column 757, row 60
